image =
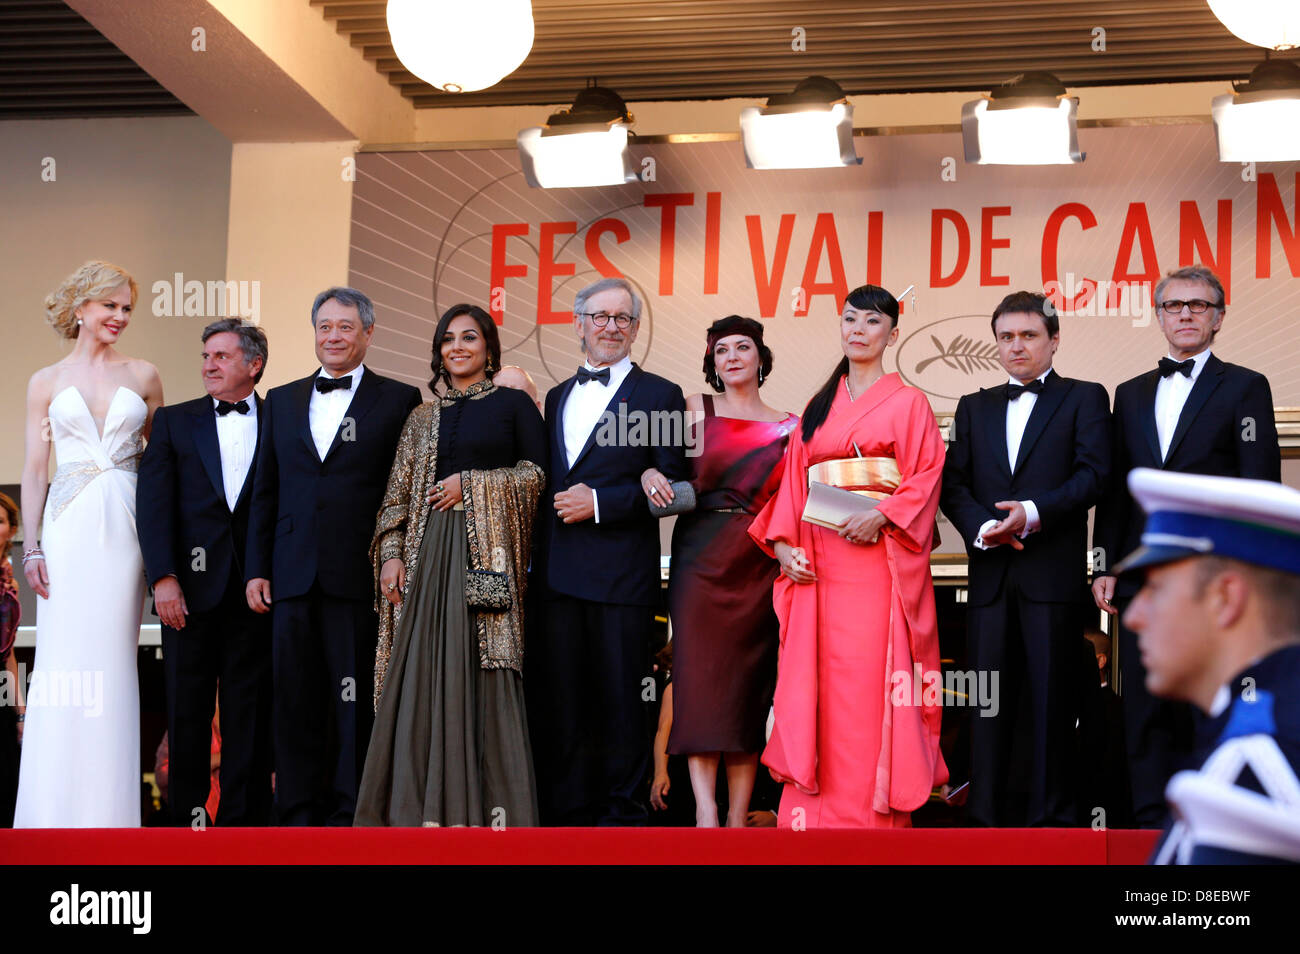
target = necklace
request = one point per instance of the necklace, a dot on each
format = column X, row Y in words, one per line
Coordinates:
column 849, row 390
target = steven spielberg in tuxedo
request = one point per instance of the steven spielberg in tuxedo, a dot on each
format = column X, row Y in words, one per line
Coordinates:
column 599, row 545
column 328, row 442
column 1195, row 414
column 1026, row 461
column 192, row 504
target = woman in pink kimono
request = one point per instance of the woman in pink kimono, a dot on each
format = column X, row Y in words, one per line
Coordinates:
column 854, row 742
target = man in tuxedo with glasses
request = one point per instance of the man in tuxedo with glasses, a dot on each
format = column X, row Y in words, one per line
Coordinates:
column 1194, row 414
column 599, row 545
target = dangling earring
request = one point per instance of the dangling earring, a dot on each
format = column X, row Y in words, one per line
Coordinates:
column 488, row 369
column 760, row 375
column 718, row 378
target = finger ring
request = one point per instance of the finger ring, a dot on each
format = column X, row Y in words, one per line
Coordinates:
column 392, row 586
column 654, row 491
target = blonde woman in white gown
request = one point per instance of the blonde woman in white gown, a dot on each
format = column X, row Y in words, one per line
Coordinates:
column 81, row 747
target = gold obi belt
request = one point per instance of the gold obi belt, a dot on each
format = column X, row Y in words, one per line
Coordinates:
column 875, row 477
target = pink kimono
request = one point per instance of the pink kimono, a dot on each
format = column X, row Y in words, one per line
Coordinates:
column 854, row 742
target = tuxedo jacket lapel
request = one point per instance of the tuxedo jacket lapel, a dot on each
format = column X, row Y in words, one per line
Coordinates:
column 362, row 401
column 302, row 412
column 1049, row 400
column 995, row 424
column 1206, row 383
column 209, row 448
column 623, row 393
column 557, row 426
column 205, row 441
column 247, row 489
column 1147, row 415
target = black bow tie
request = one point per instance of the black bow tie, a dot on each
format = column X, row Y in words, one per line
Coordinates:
column 586, row 374
column 1168, row 366
column 1015, row 390
column 326, row 385
column 225, row 407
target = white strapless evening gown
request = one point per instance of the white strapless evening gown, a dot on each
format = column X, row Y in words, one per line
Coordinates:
column 81, row 746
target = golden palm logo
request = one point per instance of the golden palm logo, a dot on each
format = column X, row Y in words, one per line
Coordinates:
column 962, row 354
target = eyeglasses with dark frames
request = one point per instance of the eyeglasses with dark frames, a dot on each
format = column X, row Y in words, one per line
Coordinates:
column 600, row 319
column 1197, row 306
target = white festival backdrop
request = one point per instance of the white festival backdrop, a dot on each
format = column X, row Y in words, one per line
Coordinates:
column 703, row 236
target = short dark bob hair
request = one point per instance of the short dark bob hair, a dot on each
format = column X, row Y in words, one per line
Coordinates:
column 736, row 325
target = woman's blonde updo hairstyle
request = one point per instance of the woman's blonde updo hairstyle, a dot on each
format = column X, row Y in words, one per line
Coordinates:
column 87, row 283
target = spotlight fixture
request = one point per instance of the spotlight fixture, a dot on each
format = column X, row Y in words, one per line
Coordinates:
column 809, row 128
column 1260, row 121
column 585, row 145
column 1027, row 121
column 458, row 46
column 1272, row 24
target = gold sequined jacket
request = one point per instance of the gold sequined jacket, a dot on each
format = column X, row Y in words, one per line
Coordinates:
column 500, row 506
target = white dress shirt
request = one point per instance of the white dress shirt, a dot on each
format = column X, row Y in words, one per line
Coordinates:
column 1171, row 395
column 325, row 412
column 1018, row 412
column 582, row 411
column 237, row 441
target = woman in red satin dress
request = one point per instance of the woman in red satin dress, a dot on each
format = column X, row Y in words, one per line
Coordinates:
column 853, row 743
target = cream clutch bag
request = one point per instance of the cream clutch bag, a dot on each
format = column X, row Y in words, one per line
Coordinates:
column 829, row 506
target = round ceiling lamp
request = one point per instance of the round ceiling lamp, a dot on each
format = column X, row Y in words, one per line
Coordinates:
column 461, row 45
column 1272, row 24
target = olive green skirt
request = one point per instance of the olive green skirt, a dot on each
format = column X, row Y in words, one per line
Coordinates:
column 450, row 740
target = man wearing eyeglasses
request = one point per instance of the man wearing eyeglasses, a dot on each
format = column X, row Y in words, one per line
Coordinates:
column 1194, row 414
column 599, row 543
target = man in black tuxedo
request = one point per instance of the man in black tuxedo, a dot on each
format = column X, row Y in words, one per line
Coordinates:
column 327, row 445
column 192, row 503
column 1197, row 415
column 1037, row 448
column 600, row 549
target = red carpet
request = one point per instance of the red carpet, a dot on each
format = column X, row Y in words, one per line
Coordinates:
column 601, row 846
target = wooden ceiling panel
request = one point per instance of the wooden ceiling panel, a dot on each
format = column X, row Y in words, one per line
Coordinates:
column 53, row 64
column 679, row 49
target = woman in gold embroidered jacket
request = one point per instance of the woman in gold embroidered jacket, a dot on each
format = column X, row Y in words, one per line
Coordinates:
column 451, row 554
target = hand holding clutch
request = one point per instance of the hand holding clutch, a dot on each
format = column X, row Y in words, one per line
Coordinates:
column 683, row 500
column 829, row 506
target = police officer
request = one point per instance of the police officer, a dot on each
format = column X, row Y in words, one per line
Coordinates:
column 1218, row 625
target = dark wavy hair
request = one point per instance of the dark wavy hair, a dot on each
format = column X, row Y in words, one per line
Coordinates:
column 863, row 298
column 486, row 325
column 735, row 325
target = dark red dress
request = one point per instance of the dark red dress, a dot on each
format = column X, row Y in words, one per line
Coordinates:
column 725, row 631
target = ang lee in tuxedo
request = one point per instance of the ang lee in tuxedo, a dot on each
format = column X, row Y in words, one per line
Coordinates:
column 600, row 551
column 192, row 504
column 328, row 441
column 1026, row 461
column 1194, row 414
